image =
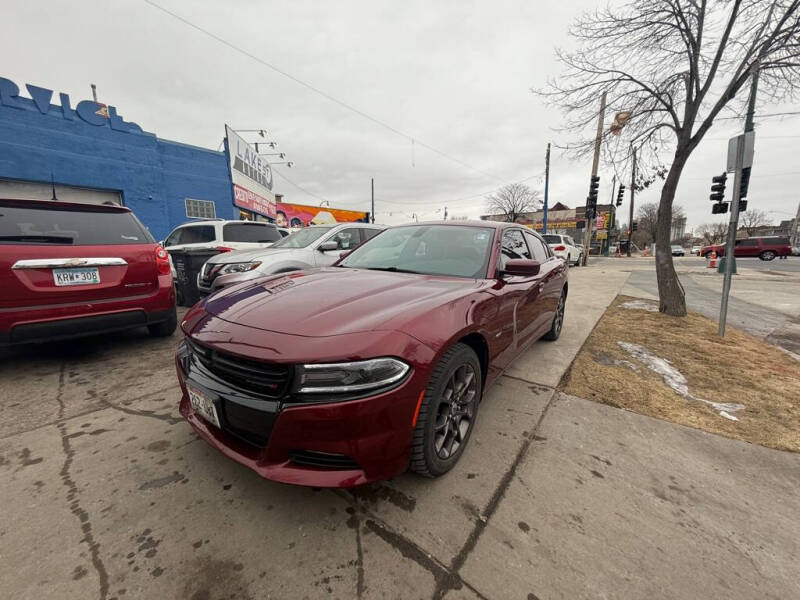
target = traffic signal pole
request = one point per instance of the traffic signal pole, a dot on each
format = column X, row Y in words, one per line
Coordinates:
column 587, row 235
column 734, row 221
column 633, row 192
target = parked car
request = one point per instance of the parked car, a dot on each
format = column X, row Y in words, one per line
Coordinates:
column 69, row 270
column 677, row 250
column 697, row 250
column 348, row 374
column 314, row 246
column 564, row 247
column 223, row 235
column 765, row 248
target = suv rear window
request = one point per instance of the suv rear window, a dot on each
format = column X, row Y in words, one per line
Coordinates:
column 552, row 239
column 250, row 232
column 47, row 225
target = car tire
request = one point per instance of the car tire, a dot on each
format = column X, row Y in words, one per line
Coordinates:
column 447, row 412
column 767, row 255
column 165, row 328
column 558, row 319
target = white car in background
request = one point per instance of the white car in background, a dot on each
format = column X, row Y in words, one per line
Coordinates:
column 225, row 236
column 564, row 247
column 312, row 246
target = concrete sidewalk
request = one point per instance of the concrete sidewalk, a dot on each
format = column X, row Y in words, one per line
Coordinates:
column 107, row 493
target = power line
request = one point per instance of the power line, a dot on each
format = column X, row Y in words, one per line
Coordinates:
column 415, row 140
column 301, row 188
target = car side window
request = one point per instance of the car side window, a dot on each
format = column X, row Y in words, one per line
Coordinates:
column 197, row 234
column 368, row 234
column 347, row 238
column 747, row 242
column 513, row 246
column 174, row 238
column 538, row 248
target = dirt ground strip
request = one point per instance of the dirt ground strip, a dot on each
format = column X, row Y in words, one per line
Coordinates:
column 678, row 369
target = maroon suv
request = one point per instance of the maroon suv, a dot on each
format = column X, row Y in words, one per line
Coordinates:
column 343, row 375
column 765, row 248
column 69, row 269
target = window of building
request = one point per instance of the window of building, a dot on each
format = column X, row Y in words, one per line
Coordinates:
column 200, row 209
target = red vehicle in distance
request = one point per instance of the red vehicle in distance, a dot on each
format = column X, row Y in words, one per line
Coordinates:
column 344, row 375
column 765, row 248
column 69, row 270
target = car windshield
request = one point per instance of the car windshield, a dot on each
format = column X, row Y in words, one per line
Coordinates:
column 552, row 239
column 452, row 250
column 302, row 238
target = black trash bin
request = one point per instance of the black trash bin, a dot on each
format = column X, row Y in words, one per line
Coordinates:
column 187, row 263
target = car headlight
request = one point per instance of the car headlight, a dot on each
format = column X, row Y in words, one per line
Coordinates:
column 239, row 267
column 337, row 378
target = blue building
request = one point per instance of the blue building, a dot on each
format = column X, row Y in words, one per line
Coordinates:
column 93, row 155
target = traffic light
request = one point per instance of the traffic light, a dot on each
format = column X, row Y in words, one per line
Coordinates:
column 635, row 225
column 720, row 208
column 620, row 193
column 593, row 185
column 718, row 187
column 745, row 183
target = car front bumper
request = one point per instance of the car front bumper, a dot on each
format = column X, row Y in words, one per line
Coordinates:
column 325, row 444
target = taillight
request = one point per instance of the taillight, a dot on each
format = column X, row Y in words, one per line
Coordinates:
column 162, row 261
column 223, row 249
column 560, row 248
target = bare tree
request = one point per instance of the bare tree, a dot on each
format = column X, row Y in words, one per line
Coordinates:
column 713, row 233
column 513, row 200
column 676, row 65
column 752, row 219
column 647, row 218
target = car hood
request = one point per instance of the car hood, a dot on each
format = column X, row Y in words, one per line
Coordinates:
column 249, row 255
column 335, row 301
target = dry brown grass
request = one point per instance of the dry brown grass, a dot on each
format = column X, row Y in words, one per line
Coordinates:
column 739, row 368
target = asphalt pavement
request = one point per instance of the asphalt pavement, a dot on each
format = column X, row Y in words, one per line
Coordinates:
column 108, row 493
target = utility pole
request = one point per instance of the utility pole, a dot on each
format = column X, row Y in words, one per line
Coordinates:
column 737, row 184
column 796, row 229
column 94, row 92
column 546, row 186
column 633, row 192
column 372, row 186
column 590, row 215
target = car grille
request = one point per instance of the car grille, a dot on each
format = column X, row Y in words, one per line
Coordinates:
column 325, row 460
column 270, row 380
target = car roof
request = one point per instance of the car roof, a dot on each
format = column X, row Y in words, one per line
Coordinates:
column 58, row 205
column 469, row 223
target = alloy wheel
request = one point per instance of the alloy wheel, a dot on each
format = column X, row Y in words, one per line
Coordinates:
column 454, row 414
column 559, row 318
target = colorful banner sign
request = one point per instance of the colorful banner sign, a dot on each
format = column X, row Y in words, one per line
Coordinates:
column 301, row 215
column 251, row 176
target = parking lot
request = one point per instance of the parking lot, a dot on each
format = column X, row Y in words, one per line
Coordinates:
column 108, row 493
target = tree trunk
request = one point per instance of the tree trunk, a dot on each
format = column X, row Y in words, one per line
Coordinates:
column 670, row 291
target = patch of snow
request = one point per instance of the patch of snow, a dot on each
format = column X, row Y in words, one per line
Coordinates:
column 675, row 379
column 639, row 305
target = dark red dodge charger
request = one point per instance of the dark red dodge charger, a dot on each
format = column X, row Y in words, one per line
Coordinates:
column 349, row 374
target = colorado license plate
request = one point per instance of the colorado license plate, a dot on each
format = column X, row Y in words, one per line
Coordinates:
column 203, row 406
column 76, row 276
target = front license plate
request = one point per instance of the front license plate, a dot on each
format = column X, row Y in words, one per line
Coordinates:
column 203, row 406
column 76, row 276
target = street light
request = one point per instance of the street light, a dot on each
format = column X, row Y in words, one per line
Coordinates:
column 280, row 155
column 270, row 144
column 324, row 203
column 288, row 163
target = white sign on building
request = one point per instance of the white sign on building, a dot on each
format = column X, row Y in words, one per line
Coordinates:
column 251, row 176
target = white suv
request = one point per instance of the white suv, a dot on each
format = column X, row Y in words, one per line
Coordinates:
column 222, row 234
column 564, row 247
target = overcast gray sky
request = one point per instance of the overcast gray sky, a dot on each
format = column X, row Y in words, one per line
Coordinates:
column 454, row 75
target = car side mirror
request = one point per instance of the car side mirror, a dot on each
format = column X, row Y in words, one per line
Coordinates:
column 328, row 246
column 522, row 267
